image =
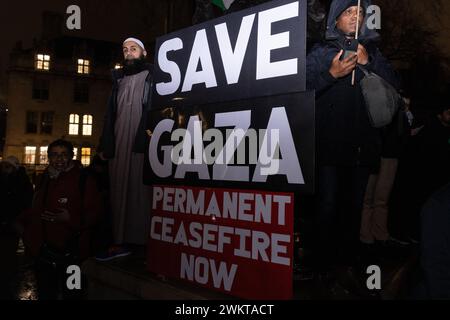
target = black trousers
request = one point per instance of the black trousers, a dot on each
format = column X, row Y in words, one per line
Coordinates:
column 339, row 201
column 9, row 265
column 435, row 245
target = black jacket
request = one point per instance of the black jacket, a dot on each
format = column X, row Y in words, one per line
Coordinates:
column 395, row 136
column 16, row 193
column 107, row 143
column 434, row 155
column 343, row 131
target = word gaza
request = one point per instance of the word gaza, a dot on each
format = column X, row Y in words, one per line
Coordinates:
column 283, row 162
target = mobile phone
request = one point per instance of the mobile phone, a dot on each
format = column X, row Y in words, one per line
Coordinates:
column 350, row 47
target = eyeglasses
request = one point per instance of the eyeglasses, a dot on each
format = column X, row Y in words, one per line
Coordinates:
column 54, row 155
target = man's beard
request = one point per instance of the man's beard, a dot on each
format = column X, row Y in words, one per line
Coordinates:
column 134, row 66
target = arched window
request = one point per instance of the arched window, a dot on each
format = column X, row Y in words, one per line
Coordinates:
column 87, row 125
column 74, row 121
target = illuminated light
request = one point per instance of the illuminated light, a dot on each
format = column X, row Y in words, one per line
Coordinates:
column 83, row 66
column 42, row 61
column 87, row 125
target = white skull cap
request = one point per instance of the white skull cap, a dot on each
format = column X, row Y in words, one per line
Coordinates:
column 139, row 42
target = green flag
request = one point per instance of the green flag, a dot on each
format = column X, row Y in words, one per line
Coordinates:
column 223, row 4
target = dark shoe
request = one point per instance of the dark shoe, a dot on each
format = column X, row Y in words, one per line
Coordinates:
column 389, row 252
column 414, row 240
column 390, row 247
column 355, row 281
column 399, row 242
column 302, row 273
column 113, row 252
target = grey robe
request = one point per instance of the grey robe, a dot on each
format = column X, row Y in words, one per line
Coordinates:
column 130, row 198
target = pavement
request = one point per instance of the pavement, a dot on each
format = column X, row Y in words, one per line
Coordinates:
column 127, row 279
column 397, row 280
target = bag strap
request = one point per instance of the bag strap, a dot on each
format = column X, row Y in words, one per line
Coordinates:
column 363, row 69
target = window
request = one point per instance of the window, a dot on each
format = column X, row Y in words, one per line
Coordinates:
column 41, row 89
column 74, row 121
column 81, row 92
column 86, row 156
column 30, row 155
column 75, row 153
column 47, row 122
column 83, row 66
column 31, row 122
column 43, row 156
column 42, row 62
column 87, row 125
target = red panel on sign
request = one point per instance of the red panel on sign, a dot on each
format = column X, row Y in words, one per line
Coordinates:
column 236, row 241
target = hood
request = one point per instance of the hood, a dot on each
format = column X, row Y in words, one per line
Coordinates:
column 336, row 8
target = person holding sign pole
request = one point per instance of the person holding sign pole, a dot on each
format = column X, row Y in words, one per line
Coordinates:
column 348, row 147
column 123, row 143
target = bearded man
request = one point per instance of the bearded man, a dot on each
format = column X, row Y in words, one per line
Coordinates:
column 123, row 142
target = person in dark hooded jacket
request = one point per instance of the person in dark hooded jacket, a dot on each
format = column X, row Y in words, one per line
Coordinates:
column 348, row 147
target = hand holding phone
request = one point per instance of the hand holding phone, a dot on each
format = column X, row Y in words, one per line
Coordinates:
column 350, row 48
column 363, row 55
column 341, row 68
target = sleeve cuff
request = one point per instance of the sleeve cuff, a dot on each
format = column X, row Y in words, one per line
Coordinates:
column 369, row 65
column 328, row 77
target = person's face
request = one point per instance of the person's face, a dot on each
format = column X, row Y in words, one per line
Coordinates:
column 6, row 168
column 131, row 51
column 59, row 158
column 445, row 116
column 347, row 20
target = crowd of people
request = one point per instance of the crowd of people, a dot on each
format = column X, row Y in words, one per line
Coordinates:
column 372, row 183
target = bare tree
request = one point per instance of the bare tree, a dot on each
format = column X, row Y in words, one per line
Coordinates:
column 410, row 31
column 405, row 31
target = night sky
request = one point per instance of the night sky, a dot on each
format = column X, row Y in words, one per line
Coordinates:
column 101, row 19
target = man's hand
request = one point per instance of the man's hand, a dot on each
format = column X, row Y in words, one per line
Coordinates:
column 363, row 56
column 342, row 68
column 415, row 131
column 62, row 215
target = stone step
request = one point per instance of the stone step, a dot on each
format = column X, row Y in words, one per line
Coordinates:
column 127, row 278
